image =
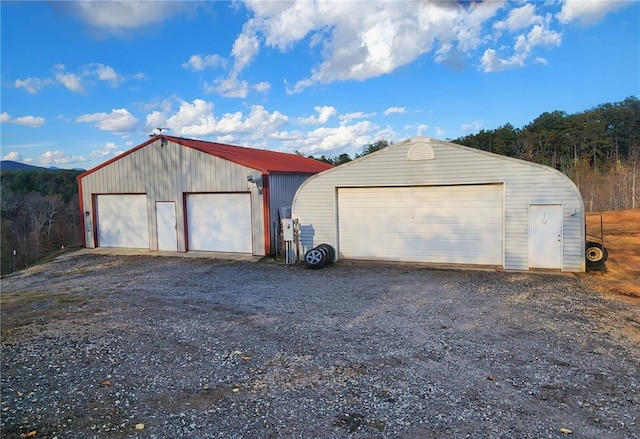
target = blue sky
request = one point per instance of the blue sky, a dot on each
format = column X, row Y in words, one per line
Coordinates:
column 83, row 81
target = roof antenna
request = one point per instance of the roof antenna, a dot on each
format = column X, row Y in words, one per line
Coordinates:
column 158, row 131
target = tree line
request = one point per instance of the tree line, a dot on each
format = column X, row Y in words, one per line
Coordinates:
column 40, row 215
column 598, row 149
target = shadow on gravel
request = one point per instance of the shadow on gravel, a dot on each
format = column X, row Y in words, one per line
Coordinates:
column 132, row 346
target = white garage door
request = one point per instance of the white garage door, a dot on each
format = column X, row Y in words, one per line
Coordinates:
column 219, row 222
column 123, row 221
column 441, row 224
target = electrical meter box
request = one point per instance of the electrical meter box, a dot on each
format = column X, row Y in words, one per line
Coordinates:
column 287, row 229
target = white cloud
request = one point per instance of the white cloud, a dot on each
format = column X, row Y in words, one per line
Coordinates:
column 30, row 121
column 259, row 122
column 519, row 18
column 539, row 36
column 245, row 48
column 71, row 81
column 118, row 121
column 324, row 114
column 422, row 129
column 75, row 82
column 355, row 115
column 121, row 15
column 361, row 40
column 333, row 141
column 262, row 87
column 57, row 158
column 589, row 12
column 476, row 125
column 230, row 87
column 13, row 156
column 197, row 119
column 395, row 110
column 33, row 85
column 198, row 62
column 418, row 129
column 104, row 73
column 523, row 48
column 440, row 132
column 110, row 150
column 194, row 119
column 156, row 119
column 258, row 127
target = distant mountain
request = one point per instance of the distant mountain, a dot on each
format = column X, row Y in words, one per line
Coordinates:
column 9, row 165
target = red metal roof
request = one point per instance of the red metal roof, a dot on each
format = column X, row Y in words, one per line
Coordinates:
column 259, row 159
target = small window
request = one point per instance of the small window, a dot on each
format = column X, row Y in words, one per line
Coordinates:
column 421, row 151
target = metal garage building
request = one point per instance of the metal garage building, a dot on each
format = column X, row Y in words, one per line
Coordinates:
column 175, row 194
column 425, row 200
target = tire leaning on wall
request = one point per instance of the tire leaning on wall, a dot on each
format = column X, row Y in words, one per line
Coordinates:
column 319, row 256
column 330, row 252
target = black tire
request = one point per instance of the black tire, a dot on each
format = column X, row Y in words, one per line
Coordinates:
column 596, row 254
column 315, row 258
column 331, row 253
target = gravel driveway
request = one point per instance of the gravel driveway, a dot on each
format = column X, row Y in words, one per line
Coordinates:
column 111, row 346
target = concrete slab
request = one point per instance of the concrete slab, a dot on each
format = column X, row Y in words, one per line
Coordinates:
column 191, row 254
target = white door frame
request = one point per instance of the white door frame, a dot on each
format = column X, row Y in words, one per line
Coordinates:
column 545, row 236
column 166, row 226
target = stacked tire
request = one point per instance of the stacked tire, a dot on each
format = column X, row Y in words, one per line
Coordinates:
column 596, row 255
column 319, row 256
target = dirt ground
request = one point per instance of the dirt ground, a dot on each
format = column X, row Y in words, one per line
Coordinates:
column 108, row 346
column 622, row 238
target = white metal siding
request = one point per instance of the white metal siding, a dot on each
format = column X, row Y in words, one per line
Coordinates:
column 219, row 222
column 282, row 188
column 166, row 173
column 122, row 221
column 315, row 203
column 440, row 224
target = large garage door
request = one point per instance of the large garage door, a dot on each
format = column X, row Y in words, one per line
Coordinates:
column 219, row 222
column 441, row 224
column 123, row 221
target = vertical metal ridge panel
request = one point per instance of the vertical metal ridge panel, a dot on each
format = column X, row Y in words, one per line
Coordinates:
column 166, row 173
column 282, row 188
column 524, row 183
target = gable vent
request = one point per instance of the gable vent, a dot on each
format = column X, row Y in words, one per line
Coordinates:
column 421, row 151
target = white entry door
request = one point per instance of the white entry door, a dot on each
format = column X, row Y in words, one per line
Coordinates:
column 545, row 236
column 167, row 226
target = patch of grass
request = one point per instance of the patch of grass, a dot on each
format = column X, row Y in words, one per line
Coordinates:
column 36, row 300
column 70, row 273
column 52, row 256
column 20, row 296
column 22, row 308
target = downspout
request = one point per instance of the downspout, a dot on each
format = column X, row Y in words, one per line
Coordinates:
column 81, row 206
column 267, row 214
